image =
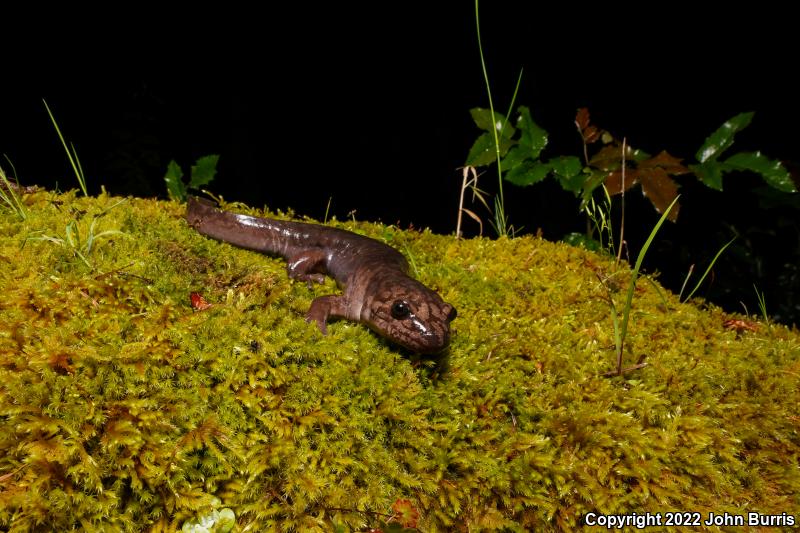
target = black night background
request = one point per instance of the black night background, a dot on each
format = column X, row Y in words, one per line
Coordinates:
column 368, row 107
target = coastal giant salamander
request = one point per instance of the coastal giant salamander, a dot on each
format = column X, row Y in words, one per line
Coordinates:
column 377, row 290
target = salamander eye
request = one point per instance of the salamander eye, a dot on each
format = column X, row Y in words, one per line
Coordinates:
column 400, row 310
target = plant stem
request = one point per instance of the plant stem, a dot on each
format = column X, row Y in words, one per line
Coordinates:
column 622, row 207
column 499, row 204
column 76, row 164
column 465, row 172
column 710, row 266
column 632, row 287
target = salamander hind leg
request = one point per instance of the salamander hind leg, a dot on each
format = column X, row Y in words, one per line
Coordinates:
column 308, row 265
column 326, row 307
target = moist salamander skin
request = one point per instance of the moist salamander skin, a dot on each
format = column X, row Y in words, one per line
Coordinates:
column 377, row 290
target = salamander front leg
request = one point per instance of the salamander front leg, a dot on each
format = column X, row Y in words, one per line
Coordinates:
column 326, row 307
column 308, row 266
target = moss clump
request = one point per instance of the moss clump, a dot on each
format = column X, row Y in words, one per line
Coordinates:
column 123, row 409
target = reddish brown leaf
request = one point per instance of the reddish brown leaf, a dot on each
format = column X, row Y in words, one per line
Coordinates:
column 609, row 157
column 16, row 188
column 740, row 325
column 794, row 172
column 405, row 513
column 582, row 118
column 589, row 132
column 672, row 165
column 198, row 302
column 660, row 189
column 614, row 180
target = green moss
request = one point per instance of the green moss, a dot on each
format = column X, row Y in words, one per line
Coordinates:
column 120, row 407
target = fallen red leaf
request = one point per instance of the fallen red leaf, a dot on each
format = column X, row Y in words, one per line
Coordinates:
column 740, row 325
column 405, row 513
column 198, row 302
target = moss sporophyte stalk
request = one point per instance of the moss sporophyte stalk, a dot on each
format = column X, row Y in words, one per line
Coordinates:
column 122, row 408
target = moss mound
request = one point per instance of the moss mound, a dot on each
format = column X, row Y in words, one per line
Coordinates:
column 122, row 408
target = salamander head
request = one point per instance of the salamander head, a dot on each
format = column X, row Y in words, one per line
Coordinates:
column 412, row 316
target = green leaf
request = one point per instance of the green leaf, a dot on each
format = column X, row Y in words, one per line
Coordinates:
column 528, row 173
column 533, row 138
column 772, row 170
column 579, row 239
column 203, row 171
column 709, row 173
column 567, row 166
column 482, row 152
column 722, row 139
column 175, row 187
column 516, row 155
column 593, row 180
column 769, row 198
column 483, row 119
column 637, row 155
column 568, row 172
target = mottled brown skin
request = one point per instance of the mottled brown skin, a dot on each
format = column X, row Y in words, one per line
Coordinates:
column 377, row 290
